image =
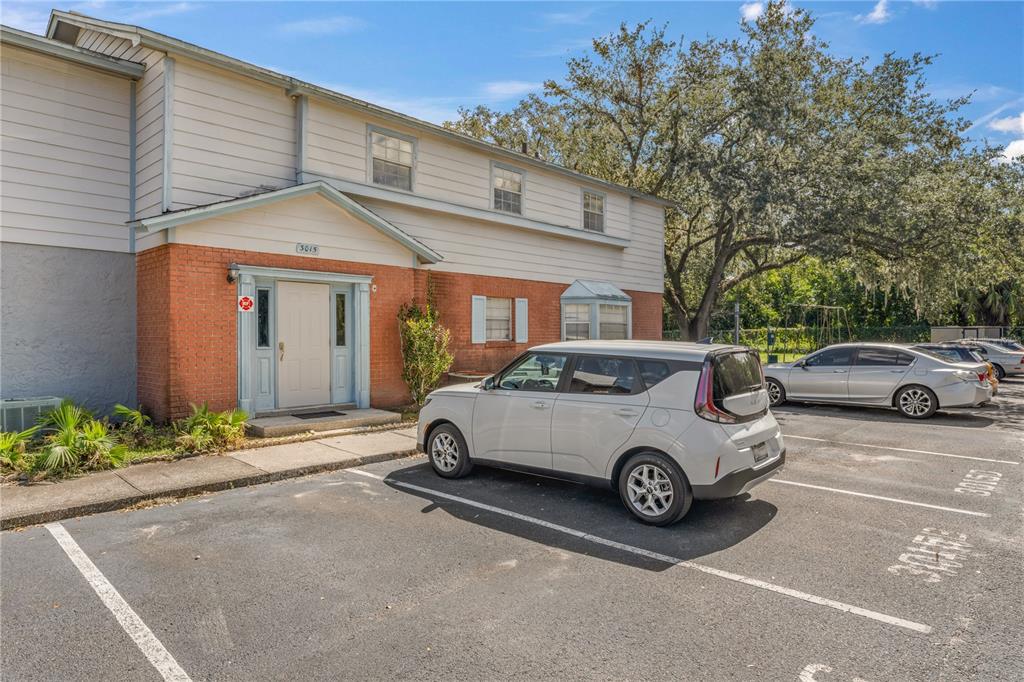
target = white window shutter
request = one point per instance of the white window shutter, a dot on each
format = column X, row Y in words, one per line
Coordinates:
column 479, row 320
column 522, row 321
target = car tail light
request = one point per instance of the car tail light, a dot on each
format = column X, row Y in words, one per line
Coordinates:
column 704, row 404
column 982, row 377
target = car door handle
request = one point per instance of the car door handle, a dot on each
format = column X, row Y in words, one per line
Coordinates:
column 839, row 371
column 540, row 404
column 897, row 371
column 626, row 413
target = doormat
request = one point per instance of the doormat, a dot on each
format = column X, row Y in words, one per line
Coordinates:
column 319, row 415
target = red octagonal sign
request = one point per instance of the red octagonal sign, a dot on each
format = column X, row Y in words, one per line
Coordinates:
column 245, row 303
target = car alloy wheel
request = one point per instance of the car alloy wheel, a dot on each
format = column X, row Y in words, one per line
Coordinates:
column 444, row 450
column 774, row 393
column 650, row 490
column 915, row 402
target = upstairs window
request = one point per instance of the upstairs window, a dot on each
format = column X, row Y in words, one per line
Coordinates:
column 508, row 190
column 392, row 160
column 593, row 211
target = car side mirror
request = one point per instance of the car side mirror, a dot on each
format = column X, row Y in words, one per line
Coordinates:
column 488, row 384
column 802, row 365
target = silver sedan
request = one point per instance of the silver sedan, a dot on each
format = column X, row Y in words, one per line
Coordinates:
column 913, row 381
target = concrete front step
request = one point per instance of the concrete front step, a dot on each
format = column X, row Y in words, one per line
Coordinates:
column 286, row 425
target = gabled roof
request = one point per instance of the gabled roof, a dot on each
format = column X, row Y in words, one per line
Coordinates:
column 188, row 215
column 55, row 48
column 60, row 21
column 594, row 289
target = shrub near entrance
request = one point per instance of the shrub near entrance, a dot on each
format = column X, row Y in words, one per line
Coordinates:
column 425, row 355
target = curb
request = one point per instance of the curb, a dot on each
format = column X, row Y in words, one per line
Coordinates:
column 35, row 518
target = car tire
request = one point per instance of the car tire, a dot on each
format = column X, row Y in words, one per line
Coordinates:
column 776, row 392
column 916, row 402
column 643, row 484
column 1000, row 372
column 448, row 452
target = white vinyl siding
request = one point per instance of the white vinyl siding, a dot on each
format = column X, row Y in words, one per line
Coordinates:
column 469, row 246
column 278, row 227
column 226, row 145
column 64, row 154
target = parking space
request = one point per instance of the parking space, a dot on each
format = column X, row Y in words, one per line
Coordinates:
column 887, row 549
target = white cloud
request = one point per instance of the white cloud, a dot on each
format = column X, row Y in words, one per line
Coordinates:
column 1014, row 150
column 750, row 11
column 1010, row 124
column 580, row 16
column 325, row 26
column 879, row 15
column 508, row 89
column 983, row 120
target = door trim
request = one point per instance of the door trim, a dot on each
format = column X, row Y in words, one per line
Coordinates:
column 246, row 328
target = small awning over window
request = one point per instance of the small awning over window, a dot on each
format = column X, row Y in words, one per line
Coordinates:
column 594, row 291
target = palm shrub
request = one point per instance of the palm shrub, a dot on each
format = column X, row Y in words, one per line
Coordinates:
column 136, row 428
column 425, row 355
column 74, row 440
column 206, row 429
column 13, row 447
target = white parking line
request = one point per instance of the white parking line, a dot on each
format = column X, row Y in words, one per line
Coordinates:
column 886, row 447
column 129, row 620
column 879, row 497
column 664, row 558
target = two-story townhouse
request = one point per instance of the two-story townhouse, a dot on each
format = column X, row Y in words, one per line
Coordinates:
column 278, row 227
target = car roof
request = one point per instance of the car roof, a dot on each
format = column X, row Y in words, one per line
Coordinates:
column 643, row 349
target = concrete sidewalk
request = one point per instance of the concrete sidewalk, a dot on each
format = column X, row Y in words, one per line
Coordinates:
column 23, row 505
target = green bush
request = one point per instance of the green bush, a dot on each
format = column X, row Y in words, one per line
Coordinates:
column 135, row 428
column 14, row 457
column 206, row 430
column 425, row 356
column 75, row 440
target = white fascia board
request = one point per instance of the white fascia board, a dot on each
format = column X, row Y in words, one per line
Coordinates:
column 170, row 220
column 71, row 53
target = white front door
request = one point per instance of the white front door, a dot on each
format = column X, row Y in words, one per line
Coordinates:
column 303, row 344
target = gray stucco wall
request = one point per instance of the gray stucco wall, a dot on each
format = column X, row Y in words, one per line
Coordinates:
column 67, row 324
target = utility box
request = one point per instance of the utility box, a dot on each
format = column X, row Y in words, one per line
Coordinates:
column 940, row 334
column 19, row 414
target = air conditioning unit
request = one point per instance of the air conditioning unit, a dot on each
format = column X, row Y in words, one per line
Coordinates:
column 19, row 414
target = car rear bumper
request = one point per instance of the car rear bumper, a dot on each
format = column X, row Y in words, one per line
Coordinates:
column 739, row 481
column 964, row 394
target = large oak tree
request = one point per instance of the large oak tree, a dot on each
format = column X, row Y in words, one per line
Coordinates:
column 771, row 148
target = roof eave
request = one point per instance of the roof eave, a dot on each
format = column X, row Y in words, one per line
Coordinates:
column 88, row 58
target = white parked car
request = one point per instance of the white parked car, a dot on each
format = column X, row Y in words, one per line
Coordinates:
column 663, row 423
column 916, row 382
column 1005, row 358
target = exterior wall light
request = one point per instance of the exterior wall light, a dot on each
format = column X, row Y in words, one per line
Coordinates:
column 233, row 273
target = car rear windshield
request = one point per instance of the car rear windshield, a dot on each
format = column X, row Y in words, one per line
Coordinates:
column 736, row 373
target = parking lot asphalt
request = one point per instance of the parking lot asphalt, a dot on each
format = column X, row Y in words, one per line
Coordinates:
column 875, row 555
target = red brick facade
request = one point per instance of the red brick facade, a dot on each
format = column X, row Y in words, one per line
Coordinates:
column 187, row 324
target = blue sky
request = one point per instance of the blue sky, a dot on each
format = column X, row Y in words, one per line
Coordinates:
column 426, row 59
